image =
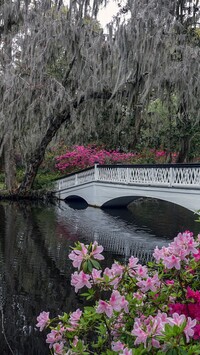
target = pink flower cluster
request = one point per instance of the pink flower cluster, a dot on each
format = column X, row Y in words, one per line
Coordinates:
column 136, row 304
column 116, row 303
column 189, row 309
column 82, row 157
column 178, row 251
column 81, row 254
column 148, row 328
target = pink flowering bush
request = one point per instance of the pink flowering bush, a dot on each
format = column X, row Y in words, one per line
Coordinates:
column 80, row 157
column 136, row 309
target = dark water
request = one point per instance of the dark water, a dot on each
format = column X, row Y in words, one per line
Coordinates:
column 34, row 266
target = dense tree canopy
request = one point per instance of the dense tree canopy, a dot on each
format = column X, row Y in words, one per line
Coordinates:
column 58, row 69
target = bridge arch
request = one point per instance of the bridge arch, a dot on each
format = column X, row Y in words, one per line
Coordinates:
column 76, row 202
column 123, row 201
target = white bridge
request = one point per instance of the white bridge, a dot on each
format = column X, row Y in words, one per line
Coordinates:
column 119, row 185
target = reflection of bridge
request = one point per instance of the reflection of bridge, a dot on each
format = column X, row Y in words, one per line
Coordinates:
column 116, row 236
column 118, row 185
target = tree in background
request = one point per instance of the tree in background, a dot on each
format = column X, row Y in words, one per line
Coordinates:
column 65, row 72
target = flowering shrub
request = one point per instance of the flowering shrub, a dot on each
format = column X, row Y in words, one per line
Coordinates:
column 153, row 156
column 81, row 157
column 137, row 309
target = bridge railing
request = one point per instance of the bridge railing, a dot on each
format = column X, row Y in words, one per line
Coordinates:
column 78, row 178
column 187, row 175
column 166, row 175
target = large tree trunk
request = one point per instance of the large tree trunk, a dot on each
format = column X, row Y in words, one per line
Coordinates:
column 183, row 155
column 38, row 156
column 9, row 164
column 185, row 132
column 54, row 125
column 137, row 129
column 8, row 150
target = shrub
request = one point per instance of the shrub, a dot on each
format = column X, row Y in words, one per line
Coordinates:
column 81, row 157
column 136, row 309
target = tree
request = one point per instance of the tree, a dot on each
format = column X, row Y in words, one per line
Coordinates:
column 64, row 70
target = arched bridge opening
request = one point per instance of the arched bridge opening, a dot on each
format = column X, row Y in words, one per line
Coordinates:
column 120, row 202
column 76, row 202
column 123, row 202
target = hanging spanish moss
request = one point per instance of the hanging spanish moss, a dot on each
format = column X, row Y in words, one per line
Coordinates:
column 59, row 70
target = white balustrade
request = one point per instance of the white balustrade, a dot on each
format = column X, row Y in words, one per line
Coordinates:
column 75, row 179
column 168, row 176
column 153, row 176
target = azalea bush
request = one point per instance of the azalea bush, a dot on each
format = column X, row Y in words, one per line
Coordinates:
column 80, row 157
column 154, row 156
column 133, row 308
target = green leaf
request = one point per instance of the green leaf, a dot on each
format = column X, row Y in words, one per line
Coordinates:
column 106, row 278
column 89, row 266
column 84, row 266
column 173, row 351
column 95, row 264
column 64, row 318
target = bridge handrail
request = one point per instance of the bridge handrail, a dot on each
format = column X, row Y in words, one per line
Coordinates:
column 163, row 175
column 76, row 178
column 170, row 175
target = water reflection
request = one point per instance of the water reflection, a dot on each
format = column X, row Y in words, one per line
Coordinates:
column 34, row 268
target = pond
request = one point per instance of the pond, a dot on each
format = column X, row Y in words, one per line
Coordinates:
column 34, row 245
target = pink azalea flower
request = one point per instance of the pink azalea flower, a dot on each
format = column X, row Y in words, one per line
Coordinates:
column 78, row 256
column 155, row 343
column 104, row 307
column 151, row 283
column 189, row 328
column 75, row 317
column 58, row 348
column 141, row 335
column 142, row 271
column 132, row 262
column 96, row 275
column 115, row 273
column 169, row 282
column 75, row 340
column 96, row 251
column 197, row 256
column 138, row 295
column 172, row 261
column 159, row 254
column 176, row 319
column 43, row 320
column 117, row 346
column 149, row 327
column 79, row 280
column 127, row 351
column 53, row 337
column 115, row 300
column 118, row 302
